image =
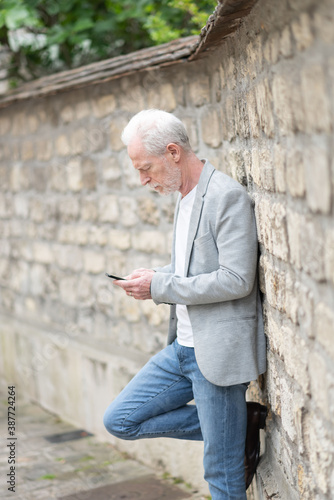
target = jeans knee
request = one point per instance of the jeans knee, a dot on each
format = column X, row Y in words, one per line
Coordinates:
column 113, row 422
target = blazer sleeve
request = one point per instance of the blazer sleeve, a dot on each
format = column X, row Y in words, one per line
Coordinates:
column 235, row 235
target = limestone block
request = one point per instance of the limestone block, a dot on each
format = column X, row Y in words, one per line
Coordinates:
column 329, row 255
column 37, row 279
column 297, row 105
column 89, row 174
column 287, row 404
column 111, row 171
column 230, row 72
column 89, row 209
column 305, row 313
column 319, row 448
column 37, row 209
column 21, row 206
column 264, row 105
column 4, row 248
column 323, row 24
column 262, row 168
column 82, row 107
column 296, row 357
column 274, row 282
column 74, row 174
column 44, row 149
column 148, row 211
column 199, row 90
column 119, row 239
column 79, row 141
column 294, row 228
column 5, row 125
column 149, row 242
column 116, row 129
column 210, row 127
column 312, row 248
column 162, row 97
column 68, row 290
column 282, row 103
column 254, row 57
column 302, row 31
column 16, row 177
column 241, row 118
column 4, row 271
column 286, row 42
column 27, row 150
column 155, row 315
column 295, row 173
column 18, row 124
column 253, row 114
column 324, row 321
column 131, row 175
column 128, row 209
column 217, row 79
column 228, row 118
column 237, row 166
column 131, row 96
column 94, row 137
column 42, row 252
column 274, row 46
column 68, row 257
column 68, row 233
column 63, row 147
column 68, row 209
column 94, row 262
column 322, row 384
column 67, row 114
column 32, row 122
column 318, row 178
column 315, row 99
column 280, row 168
column 4, row 176
column 126, row 307
column 117, row 262
column 58, row 181
column 86, row 296
column 278, row 229
column 151, row 343
column 103, row 106
column 191, row 127
column 108, row 208
column 39, row 178
column 98, row 236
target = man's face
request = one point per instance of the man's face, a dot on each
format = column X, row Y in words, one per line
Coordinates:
column 158, row 172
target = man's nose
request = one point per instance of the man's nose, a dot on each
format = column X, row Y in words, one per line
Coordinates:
column 144, row 178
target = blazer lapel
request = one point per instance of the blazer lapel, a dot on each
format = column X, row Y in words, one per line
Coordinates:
column 202, row 187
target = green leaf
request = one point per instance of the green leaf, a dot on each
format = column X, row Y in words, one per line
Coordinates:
column 83, row 24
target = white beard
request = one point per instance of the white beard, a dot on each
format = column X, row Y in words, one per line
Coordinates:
column 172, row 181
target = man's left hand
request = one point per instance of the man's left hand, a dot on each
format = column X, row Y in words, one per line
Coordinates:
column 137, row 284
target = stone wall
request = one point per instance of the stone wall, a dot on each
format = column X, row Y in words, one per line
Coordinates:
column 260, row 107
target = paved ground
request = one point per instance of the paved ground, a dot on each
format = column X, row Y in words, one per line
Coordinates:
column 73, row 469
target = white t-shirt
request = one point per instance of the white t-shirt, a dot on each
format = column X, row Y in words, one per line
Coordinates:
column 184, row 329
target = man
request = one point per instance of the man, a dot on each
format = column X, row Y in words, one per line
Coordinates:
column 216, row 343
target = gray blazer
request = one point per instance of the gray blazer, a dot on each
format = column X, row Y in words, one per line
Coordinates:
column 220, row 287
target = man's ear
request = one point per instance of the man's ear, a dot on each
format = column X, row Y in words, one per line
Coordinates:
column 174, row 151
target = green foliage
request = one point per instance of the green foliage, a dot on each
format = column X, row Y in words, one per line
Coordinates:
column 45, row 36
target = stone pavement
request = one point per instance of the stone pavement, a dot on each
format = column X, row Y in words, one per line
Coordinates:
column 75, row 467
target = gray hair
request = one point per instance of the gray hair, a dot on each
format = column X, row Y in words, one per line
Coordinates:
column 156, row 129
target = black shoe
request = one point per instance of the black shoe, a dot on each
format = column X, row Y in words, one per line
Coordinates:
column 256, row 419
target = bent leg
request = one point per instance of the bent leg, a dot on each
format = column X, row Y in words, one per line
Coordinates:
column 154, row 403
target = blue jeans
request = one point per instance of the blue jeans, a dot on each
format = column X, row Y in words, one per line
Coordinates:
column 154, row 404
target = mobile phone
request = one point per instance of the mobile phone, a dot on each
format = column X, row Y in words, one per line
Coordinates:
column 115, row 277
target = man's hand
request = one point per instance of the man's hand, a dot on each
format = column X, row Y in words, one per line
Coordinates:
column 138, row 284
